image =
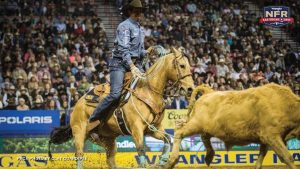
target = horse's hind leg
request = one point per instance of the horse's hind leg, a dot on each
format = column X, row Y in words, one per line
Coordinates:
column 161, row 135
column 111, row 149
column 79, row 133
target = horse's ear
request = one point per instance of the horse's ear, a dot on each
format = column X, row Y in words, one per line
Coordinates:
column 181, row 49
column 175, row 51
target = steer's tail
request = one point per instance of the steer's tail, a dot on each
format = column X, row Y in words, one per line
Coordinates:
column 59, row 135
column 203, row 89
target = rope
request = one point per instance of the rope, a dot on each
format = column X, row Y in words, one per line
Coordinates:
column 154, row 129
column 161, row 51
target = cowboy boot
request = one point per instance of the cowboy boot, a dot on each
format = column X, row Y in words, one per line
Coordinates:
column 93, row 133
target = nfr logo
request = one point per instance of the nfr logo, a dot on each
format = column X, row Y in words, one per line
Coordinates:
column 276, row 16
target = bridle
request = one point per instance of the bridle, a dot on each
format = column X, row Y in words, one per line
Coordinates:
column 179, row 78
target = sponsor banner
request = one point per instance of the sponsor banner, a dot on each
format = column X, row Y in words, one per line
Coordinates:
column 186, row 159
column 33, row 122
column 171, row 115
column 125, row 144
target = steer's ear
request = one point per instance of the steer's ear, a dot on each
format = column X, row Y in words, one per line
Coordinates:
column 176, row 52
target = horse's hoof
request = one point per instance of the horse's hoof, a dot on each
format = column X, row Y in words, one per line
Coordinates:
column 163, row 160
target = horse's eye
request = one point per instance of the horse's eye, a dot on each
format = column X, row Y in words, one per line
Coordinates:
column 182, row 66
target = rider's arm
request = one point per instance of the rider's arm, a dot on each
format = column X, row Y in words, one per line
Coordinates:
column 143, row 51
column 123, row 38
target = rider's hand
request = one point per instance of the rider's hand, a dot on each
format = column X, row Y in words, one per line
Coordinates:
column 149, row 50
column 136, row 72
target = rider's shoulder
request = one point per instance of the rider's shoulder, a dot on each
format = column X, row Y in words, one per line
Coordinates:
column 124, row 25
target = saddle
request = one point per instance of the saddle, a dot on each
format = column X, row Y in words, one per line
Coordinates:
column 99, row 92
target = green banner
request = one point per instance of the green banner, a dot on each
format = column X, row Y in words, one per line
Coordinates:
column 124, row 144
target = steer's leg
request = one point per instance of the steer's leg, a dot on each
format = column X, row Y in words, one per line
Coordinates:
column 209, row 149
column 189, row 129
column 280, row 149
column 262, row 153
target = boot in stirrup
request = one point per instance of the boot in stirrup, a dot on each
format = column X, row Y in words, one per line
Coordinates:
column 93, row 133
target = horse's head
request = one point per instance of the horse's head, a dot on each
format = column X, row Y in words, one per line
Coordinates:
column 180, row 71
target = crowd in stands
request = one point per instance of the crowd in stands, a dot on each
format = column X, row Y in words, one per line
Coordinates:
column 227, row 47
column 53, row 51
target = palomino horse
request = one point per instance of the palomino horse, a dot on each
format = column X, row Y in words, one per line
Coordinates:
column 139, row 113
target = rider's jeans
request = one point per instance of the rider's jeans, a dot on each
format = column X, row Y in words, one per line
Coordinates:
column 117, row 72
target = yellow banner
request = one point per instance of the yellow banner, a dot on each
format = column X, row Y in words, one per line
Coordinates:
column 171, row 115
column 97, row 160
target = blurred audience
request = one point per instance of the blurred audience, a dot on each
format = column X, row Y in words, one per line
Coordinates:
column 53, row 51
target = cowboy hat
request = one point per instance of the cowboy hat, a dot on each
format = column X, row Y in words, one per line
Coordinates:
column 221, row 61
column 45, row 77
column 20, row 77
column 22, row 88
column 133, row 4
column 38, row 101
column 136, row 4
column 12, row 87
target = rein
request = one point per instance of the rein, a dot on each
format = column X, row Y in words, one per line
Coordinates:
column 179, row 77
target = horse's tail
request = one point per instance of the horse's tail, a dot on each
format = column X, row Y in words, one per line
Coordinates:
column 203, row 89
column 59, row 135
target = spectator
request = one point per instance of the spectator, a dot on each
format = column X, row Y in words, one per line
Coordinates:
column 23, row 93
column 222, row 69
column 38, row 104
column 51, row 105
column 178, row 103
column 19, row 72
column 1, row 103
column 9, row 97
column 84, row 85
column 50, row 46
column 22, row 105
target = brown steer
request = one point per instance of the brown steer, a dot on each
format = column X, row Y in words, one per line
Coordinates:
column 267, row 115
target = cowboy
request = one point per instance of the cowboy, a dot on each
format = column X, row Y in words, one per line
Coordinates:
column 127, row 55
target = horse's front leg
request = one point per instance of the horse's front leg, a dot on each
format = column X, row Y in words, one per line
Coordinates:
column 111, row 149
column 79, row 133
column 138, row 138
column 161, row 135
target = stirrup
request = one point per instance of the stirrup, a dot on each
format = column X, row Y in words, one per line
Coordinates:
column 94, row 137
column 91, row 125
